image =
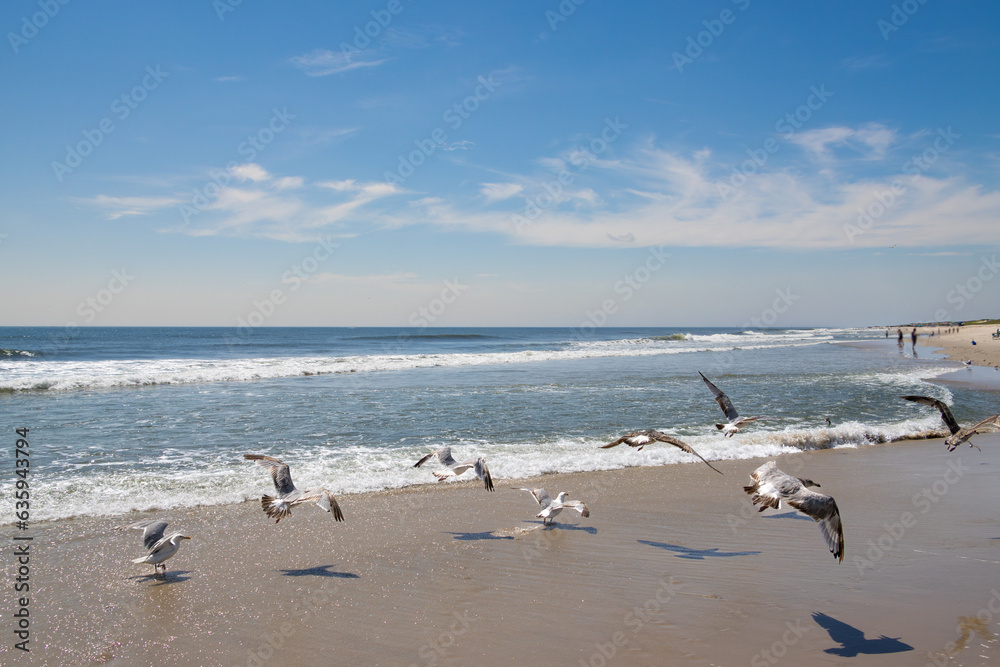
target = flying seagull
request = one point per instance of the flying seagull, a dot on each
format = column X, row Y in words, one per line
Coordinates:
column 550, row 508
column 640, row 439
column 958, row 434
column 735, row 421
column 771, row 486
column 160, row 548
column 455, row 468
column 288, row 496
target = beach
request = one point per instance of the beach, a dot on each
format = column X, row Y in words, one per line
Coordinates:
column 958, row 345
column 672, row 567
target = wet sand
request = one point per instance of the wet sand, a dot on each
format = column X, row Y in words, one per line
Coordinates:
column 958, row 346
column 672, row 567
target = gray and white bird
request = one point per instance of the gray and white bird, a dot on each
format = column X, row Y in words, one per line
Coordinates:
column 550, row 508
column 160, row 548
column 958, row 434
column 640, row 439
column 771, row 486
column 735, row 421
column 287, row 495
column 454, row 468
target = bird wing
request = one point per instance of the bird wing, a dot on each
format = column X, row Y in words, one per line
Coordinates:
column 152, row 532
column 662, row 437
column 541, row 496
column 483, row 473
column 721, row 399
column 578, row 506
column 279, row 472
column 443, row 455
column 635, row 439
column 991, row 422
column 823, row 509
column 946, row 415
column 747, row 420
column 324, row 500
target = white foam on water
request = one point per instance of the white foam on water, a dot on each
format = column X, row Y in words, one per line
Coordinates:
column 69, row 375
column 194, row 479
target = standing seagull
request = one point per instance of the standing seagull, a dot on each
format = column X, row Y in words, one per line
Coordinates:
column 288, row 496
column 160, row 548
column 455, row 468
column 640, row 439
column 958, row 434
column 735, row 421
column 771, row 486
column 550, row 508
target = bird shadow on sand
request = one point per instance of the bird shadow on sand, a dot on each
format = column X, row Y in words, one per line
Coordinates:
column 697, row 554
column 787, row 515
column 174, row 577
column 853, row 641
column 590, row 530
column 319, row 571
column 473, row 537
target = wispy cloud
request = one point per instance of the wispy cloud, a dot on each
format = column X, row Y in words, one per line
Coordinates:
column 645, row 194
column 499, row 191
column 462, row 145
column 260, row 204
column 876, row 61
column 117, row 207
column 322, row 62
column 871, row 140
column 251, row 172
column 654, row 196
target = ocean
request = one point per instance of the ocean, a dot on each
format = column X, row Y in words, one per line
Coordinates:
column 124, row 419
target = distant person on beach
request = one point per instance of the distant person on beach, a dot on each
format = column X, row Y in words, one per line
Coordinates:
column 900, row 337
column 887, row 332
column 913, row 337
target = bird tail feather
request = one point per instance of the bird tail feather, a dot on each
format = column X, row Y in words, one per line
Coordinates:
column 274, row 508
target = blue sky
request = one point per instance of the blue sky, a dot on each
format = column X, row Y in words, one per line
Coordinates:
column 499, row 164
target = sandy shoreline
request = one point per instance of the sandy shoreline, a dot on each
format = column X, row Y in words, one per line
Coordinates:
column 958, row 345
column 672, row 567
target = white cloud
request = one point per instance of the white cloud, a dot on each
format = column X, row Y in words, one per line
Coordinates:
column 666, row 198
column 289, row 183
column 116, row 207
column 871, row 140
column 499, row 191
column 323, row 62
column 462, row 145
column 251, row 172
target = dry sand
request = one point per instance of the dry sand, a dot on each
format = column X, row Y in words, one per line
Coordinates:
column 673, row 567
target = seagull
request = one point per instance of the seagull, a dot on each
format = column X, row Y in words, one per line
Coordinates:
column 735, row 421
column 455, row 468
column 550, row 508
column 958, row 434
column 160, row 548
column 640, row 439
column 288, row 496
column 771, row 486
